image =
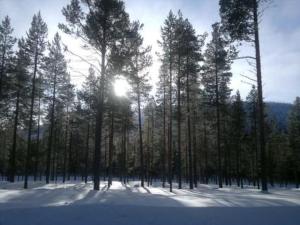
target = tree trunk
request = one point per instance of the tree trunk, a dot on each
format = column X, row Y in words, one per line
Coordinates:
column 36, row 164
column 99, row 120
column 87, row 153
column 14, row 145
column 105, row 155
column 54, row 157
column 148, row 151
column 140, row 137
column 179, row 125
column 238, row 177
column 28, row 153
column 124, row 146
column 195, row 158
column 164, row 154
column 170, row 128
column 256, row 148
column 229, row 165
column 152, row 146
column 111, row 146
column 264, row 184
column 205, row 151
column 189, row 140
column 70, row 154
column 220, row 176
column 51, row 131
column 65, row 150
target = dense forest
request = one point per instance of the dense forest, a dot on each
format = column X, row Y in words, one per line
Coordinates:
column 193, row 130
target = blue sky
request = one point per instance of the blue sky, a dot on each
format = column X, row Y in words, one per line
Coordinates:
column 279, row 29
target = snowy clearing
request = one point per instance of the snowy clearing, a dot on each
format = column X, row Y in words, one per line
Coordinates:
column 76, row 203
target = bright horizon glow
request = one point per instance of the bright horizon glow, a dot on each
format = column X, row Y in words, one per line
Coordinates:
column 121, row 87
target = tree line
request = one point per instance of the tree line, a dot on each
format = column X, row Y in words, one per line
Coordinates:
column 193, row 130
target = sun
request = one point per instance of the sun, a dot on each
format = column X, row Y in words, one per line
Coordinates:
column 121, row 87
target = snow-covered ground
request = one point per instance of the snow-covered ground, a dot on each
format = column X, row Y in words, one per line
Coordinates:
column 76, row 203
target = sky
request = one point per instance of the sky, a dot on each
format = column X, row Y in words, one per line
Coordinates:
column 279, row 36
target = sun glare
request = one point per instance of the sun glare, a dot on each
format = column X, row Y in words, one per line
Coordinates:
column 121, row 87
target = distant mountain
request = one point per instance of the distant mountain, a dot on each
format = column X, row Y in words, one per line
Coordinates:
column 279, row 113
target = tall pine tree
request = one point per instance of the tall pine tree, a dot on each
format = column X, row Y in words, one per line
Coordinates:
column 35, row 46
column 7, row 42
column 240, row 20
column 218, row 58
column 100, row 24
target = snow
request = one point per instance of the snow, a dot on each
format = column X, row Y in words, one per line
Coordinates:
column 76, row 203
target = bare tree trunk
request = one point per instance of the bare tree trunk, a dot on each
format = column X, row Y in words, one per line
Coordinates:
column 152, row 146
column 99, row 120
column 205, row 151
column 238, row 177
column 229, row 166
column 51, row 131
column 54, row 157
column 142, row 174
column 170, row 128
column 124, row 146
column 87, row 148
column 14, row 145
column 186, row 154
column 164, row 136
column 105, row 155
column 179, row 125
column 28, row 153
column 195, row 158
column 36, row 164
column 264, row 184
column 65, row 149
column 220, row 175
column 189, row 140
column 111, row 146
column 70, row 153
column 148, row 151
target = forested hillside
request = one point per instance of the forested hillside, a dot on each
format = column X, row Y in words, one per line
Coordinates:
column 279, row 112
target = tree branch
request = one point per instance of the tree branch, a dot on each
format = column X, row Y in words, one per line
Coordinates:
column 245, row 57
column 86, row 61
column 249, row 78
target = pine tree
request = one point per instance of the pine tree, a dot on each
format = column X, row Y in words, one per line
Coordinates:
column 7, row 42
column 126, row 116
column 111, row 111
column 87, row 96
column 19, row 98
column 68, row 103
column 168, row 45
column 138, row 78
column 35, row 46
column 162, row 102
column 149, row 126
column 103, row 24
column 240, row 19
column 251, row 100
column 218, row 58
column 55, row 74
column 237, row 133
column 191, row 46
column 180, row 38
